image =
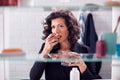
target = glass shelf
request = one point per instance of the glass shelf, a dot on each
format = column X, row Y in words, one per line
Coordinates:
column 36, row 57
column 71, row 7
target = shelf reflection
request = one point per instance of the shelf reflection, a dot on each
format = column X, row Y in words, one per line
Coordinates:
column 90, row 57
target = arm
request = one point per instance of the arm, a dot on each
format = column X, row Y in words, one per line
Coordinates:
column 37, row 69
column 87, row 69
column 50, row 42
column 90, row 72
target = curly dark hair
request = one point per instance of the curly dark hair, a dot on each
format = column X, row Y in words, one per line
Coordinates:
column 70, row 21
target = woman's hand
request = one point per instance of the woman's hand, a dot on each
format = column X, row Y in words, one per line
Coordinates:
column 81, row 64
column 50, row 42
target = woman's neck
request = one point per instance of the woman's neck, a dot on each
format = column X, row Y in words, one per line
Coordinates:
column 65, row 46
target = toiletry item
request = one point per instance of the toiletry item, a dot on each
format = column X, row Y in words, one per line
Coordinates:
column 110, row 40
column 9, row 2
column 116, row 27
column 25, row 2
column 1, row 2
column 100, row 48
column 112, row 3
column 74, row 74
column 12, row 50
column 118, row 49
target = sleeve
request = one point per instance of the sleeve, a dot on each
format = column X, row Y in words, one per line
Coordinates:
column 90, row 72
column 37, row 69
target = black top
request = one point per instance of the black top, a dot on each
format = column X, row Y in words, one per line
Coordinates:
column 55, row 71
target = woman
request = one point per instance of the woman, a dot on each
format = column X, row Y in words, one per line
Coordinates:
column 61, row 31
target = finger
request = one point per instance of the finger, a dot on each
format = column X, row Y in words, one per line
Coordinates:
column 49, row 55
column 74, row 53
column 53, row 44
column 51, row 35
column 76, row 63
column 71, row 64
column 53, row 41
column 57, row 35
column 49, row 38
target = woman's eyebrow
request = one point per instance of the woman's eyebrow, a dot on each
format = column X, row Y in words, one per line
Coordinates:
column 52, row 25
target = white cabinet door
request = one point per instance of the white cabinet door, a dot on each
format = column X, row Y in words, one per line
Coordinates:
column 1, row 29
column 1, row 45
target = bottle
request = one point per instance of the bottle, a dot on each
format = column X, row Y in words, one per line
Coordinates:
column 1, row 2
column 10, row 2
column 100, row 48
column 13, row 2
column 74, row 74
column 26, row 3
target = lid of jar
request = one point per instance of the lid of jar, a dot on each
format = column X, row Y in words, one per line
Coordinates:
column 112, row 3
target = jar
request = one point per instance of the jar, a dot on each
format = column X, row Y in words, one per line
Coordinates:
column 9, row 2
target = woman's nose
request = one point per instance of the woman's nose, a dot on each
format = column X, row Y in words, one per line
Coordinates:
column 57, row 30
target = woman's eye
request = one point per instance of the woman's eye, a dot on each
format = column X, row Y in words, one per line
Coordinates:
column 52, row 27
column 61, row 26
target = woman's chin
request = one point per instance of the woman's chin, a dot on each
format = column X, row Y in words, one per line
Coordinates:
column 59, row 41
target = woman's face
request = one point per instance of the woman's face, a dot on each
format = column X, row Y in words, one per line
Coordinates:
column 60, row 29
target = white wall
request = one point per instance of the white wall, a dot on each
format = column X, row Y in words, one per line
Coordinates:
column 102, row 19
column 25, row 32
column 25, row 29
column 116, row 14
column 71, row 3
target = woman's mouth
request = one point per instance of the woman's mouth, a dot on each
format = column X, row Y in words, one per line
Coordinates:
column 59, row 37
